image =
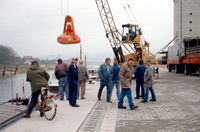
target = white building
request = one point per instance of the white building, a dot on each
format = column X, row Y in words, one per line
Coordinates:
column 27, row 62
column 186, row 19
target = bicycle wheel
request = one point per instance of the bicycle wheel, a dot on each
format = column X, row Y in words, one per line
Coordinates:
column 49, row 107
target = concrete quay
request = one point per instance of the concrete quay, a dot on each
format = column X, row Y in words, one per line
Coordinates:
column 67, row 119
column 177, row 109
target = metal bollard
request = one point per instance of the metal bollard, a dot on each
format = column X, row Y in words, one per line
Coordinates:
column 16, row 98
column 157, row 70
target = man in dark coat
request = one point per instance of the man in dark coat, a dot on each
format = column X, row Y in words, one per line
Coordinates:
column 61, row 75
column 115, row 78
column 139, row 75
column 38, row 78
column 72, row 75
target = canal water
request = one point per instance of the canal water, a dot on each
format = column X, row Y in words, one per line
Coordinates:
column 5, row 86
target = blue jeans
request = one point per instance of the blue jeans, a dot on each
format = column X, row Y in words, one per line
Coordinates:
column 146, row 94
column 73, row 91
column 33, row 102
column 117, row 83
column 63, row 85
column 108, row 84
column 127, row 92
column 138, row 84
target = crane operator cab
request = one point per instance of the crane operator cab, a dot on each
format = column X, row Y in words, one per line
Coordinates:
column 131, row 33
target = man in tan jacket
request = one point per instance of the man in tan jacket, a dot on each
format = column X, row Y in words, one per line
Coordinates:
column 125, row 76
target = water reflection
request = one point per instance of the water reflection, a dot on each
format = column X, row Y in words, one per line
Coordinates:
column 6, row 91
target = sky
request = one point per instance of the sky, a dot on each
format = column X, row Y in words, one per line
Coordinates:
column 31, row 27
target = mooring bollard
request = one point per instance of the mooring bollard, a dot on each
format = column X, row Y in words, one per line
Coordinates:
column 157, row 70
column 16, row 98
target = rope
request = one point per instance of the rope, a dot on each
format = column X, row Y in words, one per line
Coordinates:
column 131, row 12
column 67, row 8
column 126, row 11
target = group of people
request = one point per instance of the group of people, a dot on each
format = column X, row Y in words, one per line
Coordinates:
column 115, row 75
column 72, row 80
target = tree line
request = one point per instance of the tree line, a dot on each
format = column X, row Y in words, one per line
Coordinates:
column 8, row 53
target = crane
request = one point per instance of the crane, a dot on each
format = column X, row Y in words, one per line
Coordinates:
column 130, row 37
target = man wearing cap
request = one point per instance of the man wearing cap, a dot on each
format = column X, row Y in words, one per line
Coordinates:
column 125, row 76
column 83, row 76
column 72, row 75
column 148, row 82
column 105, row 73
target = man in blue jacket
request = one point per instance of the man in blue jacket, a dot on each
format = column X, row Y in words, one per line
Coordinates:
column 115, row 78
column 72, row 75
column 105, row 73
column 139, row 75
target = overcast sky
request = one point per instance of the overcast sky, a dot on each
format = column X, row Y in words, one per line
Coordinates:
column 31, row 27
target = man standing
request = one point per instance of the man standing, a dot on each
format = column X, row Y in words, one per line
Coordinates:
column 83, row 76
column 38, row 78
column 105, row 73
column 139, row 75
column 125, row 75
column 72, row 75
column 115, row 78
column 61, row 75
column 148, row 82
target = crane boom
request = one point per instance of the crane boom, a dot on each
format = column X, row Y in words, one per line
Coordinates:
column 110, row 28
column 130, row 36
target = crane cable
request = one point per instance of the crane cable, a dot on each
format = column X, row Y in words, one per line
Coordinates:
column 131, row 12
column 67, row 8
column 126, row 11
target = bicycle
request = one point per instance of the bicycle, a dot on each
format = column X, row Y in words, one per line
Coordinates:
column 47, row 105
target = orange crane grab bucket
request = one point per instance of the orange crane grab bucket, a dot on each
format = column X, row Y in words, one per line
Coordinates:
column 68, row 36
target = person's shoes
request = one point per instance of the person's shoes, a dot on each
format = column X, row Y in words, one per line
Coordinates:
column 61, row 99
column 122, row 107
column 143, row 101
column 27, row 116
column 152, row 100
column 109, row 101
column 67, row 99
column 137, row 98
column 75, row 105
column 99, row 98
column 134, row 107
column 83, row 98
column 41, row 114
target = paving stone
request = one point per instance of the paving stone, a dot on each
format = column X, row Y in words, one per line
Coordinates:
column 177, row 108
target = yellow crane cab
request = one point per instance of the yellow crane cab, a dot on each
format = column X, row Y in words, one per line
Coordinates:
column 131, row 33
